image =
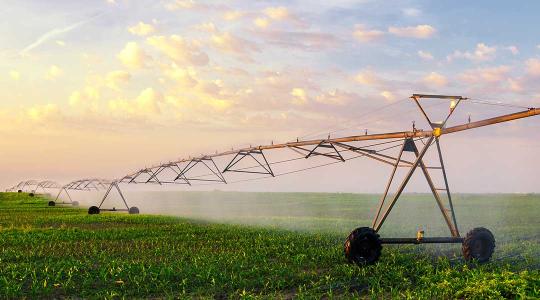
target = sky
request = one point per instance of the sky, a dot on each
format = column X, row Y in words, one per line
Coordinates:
column 101, row 88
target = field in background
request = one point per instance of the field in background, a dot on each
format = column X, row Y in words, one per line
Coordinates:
column 294, row 249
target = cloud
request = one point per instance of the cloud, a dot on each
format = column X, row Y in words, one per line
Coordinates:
column 115, row 79
column 299, row 96
column 277, row 13
column 261, row 22
column 335, row 97
column 304, row 40
column 435, row 79
column 41, row 113
column 207, row 27
column 56, row 32
column 179, row 49
column 419, row 31
column 232, row 15
column 515, row 85
column 142, row 29
column 146, row 104
column 230, row 43
column 532, row 66
column 271, row 15
column 182, row 4
column 86, row 99
column 363, row 34
column 367, row 77
column 411, row 12
column 185, row 77
column 133, row 56
column 388, row 95
column 54, row 72
column 425, row 55
column 481, row 53
column 15, row 75
column 60, row 43
column 513, row 49
column 485, row 75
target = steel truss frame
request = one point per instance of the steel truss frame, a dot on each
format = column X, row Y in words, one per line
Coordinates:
column 113, row 184
column 208, row 163
column 47, row 184
column 90, row 184
column 182, row 175
column 410, row 146
column 253, row 154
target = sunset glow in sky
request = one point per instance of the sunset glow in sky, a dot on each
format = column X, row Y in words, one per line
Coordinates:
column 100, row 88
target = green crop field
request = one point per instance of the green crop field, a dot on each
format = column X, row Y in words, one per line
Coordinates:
column 61, row 252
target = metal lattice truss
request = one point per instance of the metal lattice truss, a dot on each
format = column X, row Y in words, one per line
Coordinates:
column 88, row 184
column 387, row 148
column 28, row 185
column 337, row 150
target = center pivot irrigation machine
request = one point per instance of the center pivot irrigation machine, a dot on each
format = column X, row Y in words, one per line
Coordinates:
column 363, row 245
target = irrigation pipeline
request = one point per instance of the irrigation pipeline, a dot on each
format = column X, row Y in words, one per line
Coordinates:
column 393, row 135
column 393, row 139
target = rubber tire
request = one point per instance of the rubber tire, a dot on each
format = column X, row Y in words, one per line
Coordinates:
column 31, row 194
column 52, row 203
column 75, row 203
column 363, row 246
column 93, row 210
column 478, row 245
column 133, row 210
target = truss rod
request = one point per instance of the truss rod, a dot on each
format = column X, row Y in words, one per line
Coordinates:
column 392, row 135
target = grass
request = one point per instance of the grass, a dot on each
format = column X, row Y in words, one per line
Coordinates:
column 61, row 252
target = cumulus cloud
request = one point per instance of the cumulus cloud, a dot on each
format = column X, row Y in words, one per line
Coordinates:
column 388, row 95
column 179, row 49
column 271, row 15
column 146, row 104
column 485, row 75
column 277, row 13
column 261, row 22
column 232, row 15
column 435, row 79
column 142, row 29
column 86, row 99
column 299, row 96
column 363, row 34
column 515, row 85
column 304, row 40
column 133, row 56
column 181, row 4
column 367, row 77
column 513, row 49
column 335, row 97
column 207, row 27
column 115, row 79
column 229, row 43
column 40, row 113
column 481, row 53
column 54, row 72
column 419, row 31
column 425, row 55
column 532, row 66
column 185, row 77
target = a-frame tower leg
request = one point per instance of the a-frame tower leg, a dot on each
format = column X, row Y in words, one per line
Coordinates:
column 97, row 209
column 409, row 145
